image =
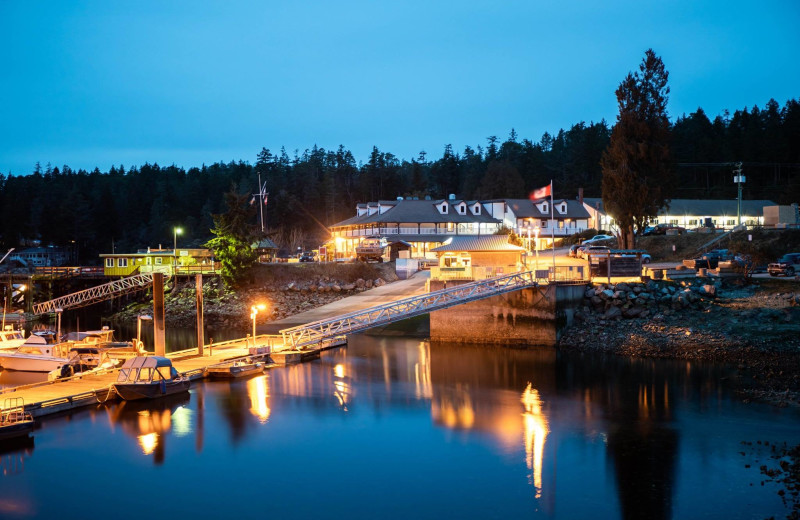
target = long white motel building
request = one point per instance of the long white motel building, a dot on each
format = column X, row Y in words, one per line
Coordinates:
column 422, row 225
column 691, row 213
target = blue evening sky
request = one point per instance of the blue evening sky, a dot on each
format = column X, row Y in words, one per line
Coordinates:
column 96, row 83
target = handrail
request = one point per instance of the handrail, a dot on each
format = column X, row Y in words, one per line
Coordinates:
column 96, row 294
column 318, row 331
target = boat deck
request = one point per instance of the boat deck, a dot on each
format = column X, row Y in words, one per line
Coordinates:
column 51, row 397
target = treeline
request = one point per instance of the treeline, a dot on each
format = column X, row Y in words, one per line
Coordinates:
column 127, row 209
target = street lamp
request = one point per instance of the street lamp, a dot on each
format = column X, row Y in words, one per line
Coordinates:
column 253, row 313
column 536, row 244
column 175, row 232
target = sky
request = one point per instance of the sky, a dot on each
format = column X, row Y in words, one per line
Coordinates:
column 98, row 83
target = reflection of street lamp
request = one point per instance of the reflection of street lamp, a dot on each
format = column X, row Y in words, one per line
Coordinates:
column 139, row 319
column 253, row 313
column 175, row 232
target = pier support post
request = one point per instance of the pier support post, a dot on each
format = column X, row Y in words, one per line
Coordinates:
column 198, row 284
column 158, row 314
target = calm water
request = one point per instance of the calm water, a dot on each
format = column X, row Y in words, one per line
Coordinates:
column 399, row 428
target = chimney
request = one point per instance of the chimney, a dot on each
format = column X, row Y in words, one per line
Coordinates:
column 580, row 195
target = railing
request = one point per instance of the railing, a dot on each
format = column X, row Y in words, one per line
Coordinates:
column 471, row 272
column 65, row 272
column 96, row 294
column 319, row 331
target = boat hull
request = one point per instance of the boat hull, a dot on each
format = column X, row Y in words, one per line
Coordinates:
column 16, row 429
column 30, row 363
column 236, row 371
column 154, row 390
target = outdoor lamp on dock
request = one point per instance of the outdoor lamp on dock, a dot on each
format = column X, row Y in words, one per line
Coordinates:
column 175, row 232
column 253, row 313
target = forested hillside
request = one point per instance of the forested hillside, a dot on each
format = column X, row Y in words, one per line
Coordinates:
column 139, row 206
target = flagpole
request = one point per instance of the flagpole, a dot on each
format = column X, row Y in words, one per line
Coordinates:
column 552, row 229
column 261, row 202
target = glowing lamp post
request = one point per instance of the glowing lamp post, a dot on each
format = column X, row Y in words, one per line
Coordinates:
column 536, row 244
column 175, row 232
column 253, row 313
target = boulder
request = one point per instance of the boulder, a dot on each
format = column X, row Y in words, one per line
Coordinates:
column 612, row 312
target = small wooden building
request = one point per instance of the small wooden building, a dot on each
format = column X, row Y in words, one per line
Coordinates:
column 178, row 261
column 477, row 258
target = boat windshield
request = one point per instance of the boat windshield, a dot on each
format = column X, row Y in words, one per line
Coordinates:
column 144, row 374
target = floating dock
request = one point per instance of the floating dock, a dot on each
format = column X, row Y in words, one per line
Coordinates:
column 50, row 397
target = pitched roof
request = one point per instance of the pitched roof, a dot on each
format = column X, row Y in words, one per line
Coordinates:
column 418, row 211
column 526, row 208
column 478, row 243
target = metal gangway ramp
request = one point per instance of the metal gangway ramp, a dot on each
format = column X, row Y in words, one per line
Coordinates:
column 318, row 331
column 96, row 294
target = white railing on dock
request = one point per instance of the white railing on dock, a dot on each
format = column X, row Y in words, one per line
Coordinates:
column 96, row 294
column 318, row 331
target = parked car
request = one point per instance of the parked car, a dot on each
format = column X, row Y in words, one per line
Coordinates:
column 307, row 256
column 593, row 250
column 573, row 251
column 600, row 237
column 787, row 265
column 661, row 229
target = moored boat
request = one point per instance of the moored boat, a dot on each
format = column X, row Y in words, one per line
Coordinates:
column 35, row 357
column 84, row 361
column 235, row 370
column 149, row 377
column 10, row 338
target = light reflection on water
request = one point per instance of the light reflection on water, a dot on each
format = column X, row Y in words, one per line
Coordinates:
column 433, row 430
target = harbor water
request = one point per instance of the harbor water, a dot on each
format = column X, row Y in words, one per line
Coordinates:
column 397, row 427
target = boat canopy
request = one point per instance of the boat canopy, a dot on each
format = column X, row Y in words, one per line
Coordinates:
column 147, row 362
column 103, row 335
column 146, row 369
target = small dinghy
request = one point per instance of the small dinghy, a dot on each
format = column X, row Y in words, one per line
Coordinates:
column 149, row 377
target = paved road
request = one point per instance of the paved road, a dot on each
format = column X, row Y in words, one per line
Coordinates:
column 377, row 296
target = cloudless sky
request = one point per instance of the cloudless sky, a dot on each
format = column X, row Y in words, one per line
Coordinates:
column 96, row 83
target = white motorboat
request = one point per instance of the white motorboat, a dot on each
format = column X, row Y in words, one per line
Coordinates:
column 33, row 356
column 11, row 339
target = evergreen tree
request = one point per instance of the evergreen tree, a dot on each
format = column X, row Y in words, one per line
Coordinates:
column 637, row 174
column 234, row 234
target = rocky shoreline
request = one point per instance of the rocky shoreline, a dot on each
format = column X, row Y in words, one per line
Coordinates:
column 752, row 328
column 226, row 308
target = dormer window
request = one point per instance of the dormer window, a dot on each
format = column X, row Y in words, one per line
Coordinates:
column 476, row 209
column 462, row 209
column 544, row 207
column 443, row 208
column 562, row 208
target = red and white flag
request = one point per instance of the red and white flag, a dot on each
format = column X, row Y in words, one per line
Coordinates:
column 542, row 192
column 266, row 196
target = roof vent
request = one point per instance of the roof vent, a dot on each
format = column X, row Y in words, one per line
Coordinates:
column 452, row 196
column 399, row 198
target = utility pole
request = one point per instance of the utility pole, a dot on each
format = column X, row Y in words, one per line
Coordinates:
column 738, row 178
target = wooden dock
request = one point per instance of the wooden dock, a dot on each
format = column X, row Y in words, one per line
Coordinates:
column 52, row 397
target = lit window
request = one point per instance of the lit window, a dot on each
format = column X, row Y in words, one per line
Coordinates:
column 158, row 260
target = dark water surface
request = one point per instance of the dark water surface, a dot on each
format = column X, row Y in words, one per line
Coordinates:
column 399, row 428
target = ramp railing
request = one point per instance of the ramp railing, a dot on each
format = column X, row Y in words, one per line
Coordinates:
column 96, row 294
column 315, row 332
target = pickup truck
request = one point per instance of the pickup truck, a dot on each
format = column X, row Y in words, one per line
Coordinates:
column 787, row 265
column 371, row 249
column 709, row 260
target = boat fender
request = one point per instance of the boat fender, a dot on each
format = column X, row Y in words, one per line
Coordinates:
column 66, row 371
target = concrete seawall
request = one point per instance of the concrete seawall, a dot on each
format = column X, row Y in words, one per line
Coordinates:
column 528, row 317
